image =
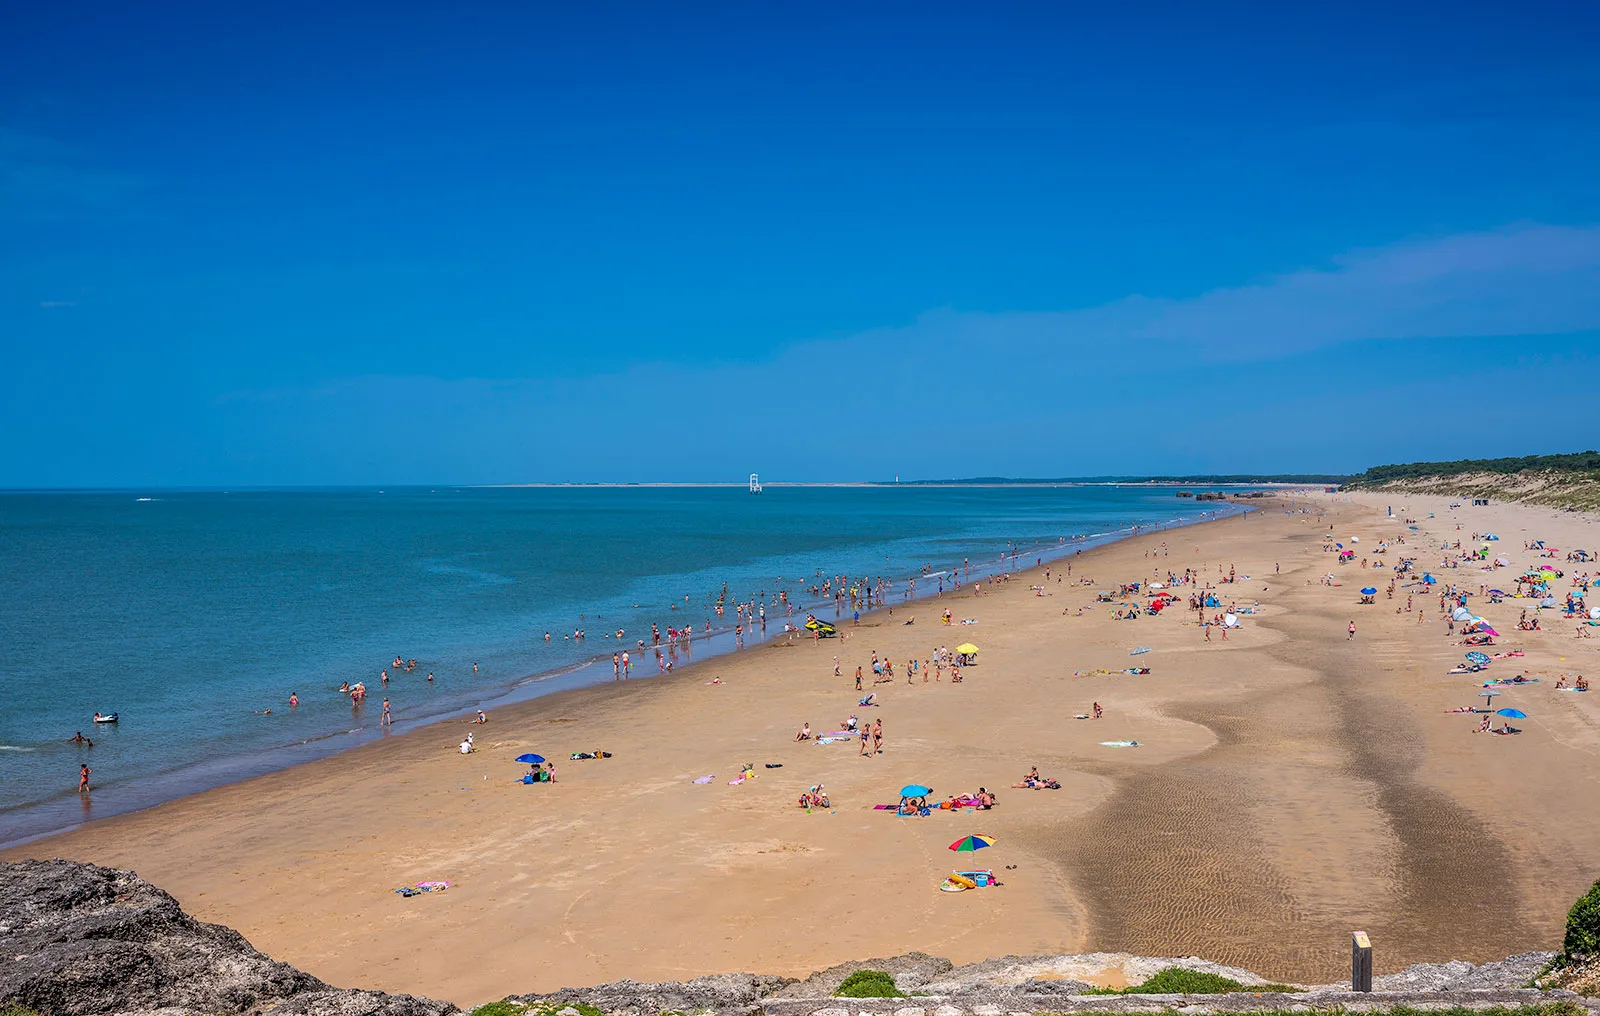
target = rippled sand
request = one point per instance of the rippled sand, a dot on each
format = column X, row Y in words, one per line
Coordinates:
column 1293, row 786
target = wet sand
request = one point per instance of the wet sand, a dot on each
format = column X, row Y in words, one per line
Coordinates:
column 1292, row 785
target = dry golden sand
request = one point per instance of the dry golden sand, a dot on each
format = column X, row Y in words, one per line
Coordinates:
column 1293, row 786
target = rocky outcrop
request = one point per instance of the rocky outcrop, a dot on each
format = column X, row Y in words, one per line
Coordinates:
column 738, row 994
column 78, row 939
column 911, row 971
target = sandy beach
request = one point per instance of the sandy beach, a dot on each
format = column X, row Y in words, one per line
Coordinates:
column 1291, row 784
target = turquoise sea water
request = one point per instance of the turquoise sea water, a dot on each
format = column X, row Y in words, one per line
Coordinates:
column 186, row 612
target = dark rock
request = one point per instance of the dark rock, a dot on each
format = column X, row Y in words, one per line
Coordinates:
column 80, row 939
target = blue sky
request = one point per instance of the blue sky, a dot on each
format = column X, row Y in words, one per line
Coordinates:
column 387, row 243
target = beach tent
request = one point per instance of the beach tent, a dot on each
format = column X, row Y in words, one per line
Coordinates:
column 1230, row 620
column 1461, row 614
column 1594, row 613
column 1548, row 601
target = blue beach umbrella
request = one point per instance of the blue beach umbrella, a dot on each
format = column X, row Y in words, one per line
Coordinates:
column 915, row 790
column 530, row 758
column 1515, row 714
column 1429, row 579
column 1368, row 591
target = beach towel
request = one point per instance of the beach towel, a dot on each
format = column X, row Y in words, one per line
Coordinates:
column 706, row 778
column 1121, row 744
column 1139, row 651
column 884, row 807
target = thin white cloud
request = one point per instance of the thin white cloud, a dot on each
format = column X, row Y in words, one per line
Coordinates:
column 1533, row 280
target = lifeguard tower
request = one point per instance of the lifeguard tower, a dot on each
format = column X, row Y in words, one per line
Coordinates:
column 755, row 484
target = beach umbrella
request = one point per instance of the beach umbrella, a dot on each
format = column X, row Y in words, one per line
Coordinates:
column 1486, row 695
column 976, row 841
column 915, row 790
column 1477, row 657
column 967, row 649
column 1515, row 714
column 530, row 758
column 1368, row 591
column 1429, row 579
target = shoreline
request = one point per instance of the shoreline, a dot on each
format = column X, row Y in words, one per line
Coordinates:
column 53, row 816
column 1290, row 785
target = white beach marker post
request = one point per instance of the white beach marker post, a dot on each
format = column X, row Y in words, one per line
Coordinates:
column 1360, row 962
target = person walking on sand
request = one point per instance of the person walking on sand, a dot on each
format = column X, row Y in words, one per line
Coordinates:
column 836, row 671
column 83, row 779
column 877, row 737
column 1098, row 712
column 866, row 735
column 858, row 677
column 1352, row 634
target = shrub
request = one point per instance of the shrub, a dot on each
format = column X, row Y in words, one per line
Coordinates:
column 869, row 984
column 1183, row 981
column 499, row 1009
column 1583, row 927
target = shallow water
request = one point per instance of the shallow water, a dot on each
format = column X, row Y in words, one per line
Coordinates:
column 189, row 612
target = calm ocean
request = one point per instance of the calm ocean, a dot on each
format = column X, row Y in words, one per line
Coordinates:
column 185, row 612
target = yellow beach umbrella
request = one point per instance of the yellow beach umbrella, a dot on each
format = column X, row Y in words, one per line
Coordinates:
column 967, row 649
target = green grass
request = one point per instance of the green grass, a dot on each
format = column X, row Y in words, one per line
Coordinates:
column 1182, row 981
column 869, row 984
column 13, row 1009
column 499, row 1009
